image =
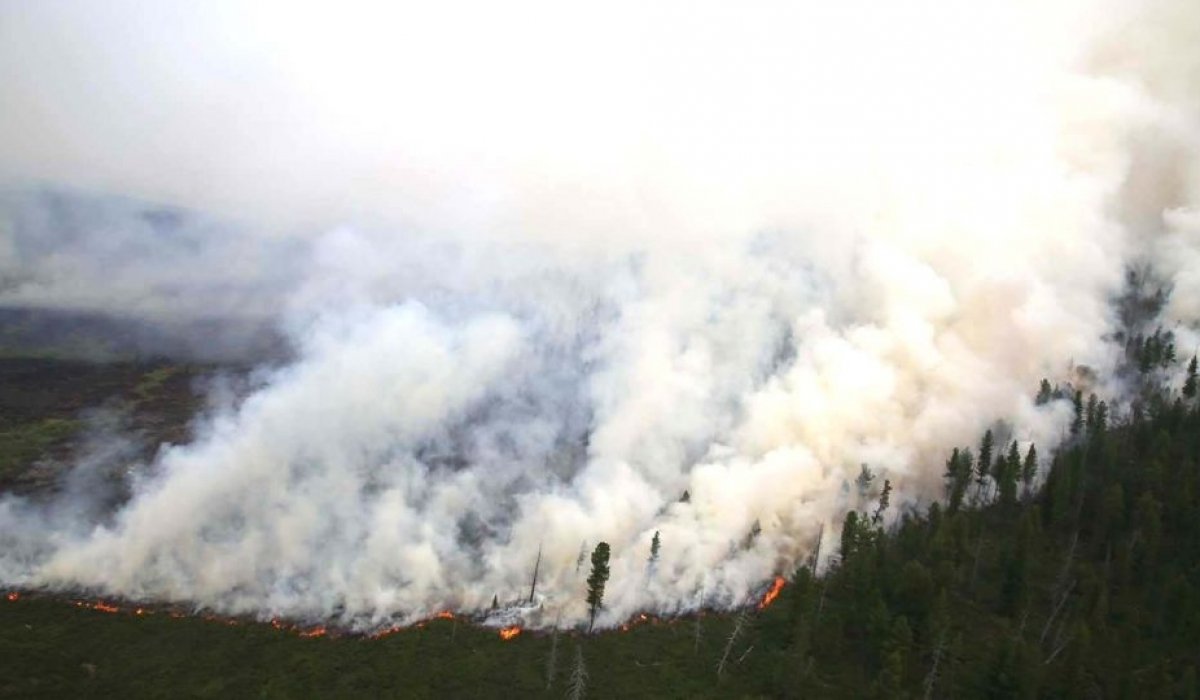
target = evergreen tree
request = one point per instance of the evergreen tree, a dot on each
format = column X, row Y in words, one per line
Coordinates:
column 1189, row 384
column 850, row 535
column 884, row 498
column 1008, row 474
column 582, row 556
column 863, row 482
column 1100, row 425
column 891, row 681
column 983, row 464
column 1077, row 424
column 958, row 476
column 654, row 545
column 1029, row 468
column 596, row 581
column 1045, row 393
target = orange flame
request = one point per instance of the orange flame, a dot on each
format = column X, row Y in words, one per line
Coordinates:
column 772, row 594
column 13, row 597
column 509, row 632
column 641, row 619
column 102, row 607
column 445, row 615
column 314, row 632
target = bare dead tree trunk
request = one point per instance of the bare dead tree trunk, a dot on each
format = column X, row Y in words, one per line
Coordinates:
column 1062, row 589
column 1054, row 613
column 738, row 624
column 577, row 686
column 820, row 604
column 932, row 677
column 1060, row 642
column 816, row 557
column 552, row 661
column 536, row 565
column 745, row 654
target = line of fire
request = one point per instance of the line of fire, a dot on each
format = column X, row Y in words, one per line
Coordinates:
column 505, row 633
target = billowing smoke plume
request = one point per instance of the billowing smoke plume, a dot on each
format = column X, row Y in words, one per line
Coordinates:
column 548, row 269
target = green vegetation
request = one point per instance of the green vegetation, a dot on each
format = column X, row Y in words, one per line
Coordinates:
column 23, row 444
column 596, row 581
column 152, row 381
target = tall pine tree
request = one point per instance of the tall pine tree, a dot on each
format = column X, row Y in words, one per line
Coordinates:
column 596, row 582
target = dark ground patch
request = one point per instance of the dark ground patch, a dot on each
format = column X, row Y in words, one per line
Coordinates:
column 45, row 405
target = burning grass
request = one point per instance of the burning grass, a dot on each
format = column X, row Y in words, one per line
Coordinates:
column 167, row 650
column 304, row 631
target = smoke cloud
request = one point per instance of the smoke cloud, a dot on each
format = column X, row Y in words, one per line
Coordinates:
column 544, row 269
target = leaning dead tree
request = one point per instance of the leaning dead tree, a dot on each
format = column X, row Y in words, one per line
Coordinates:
column 577, row 686
column 1062, row 593
column 738, row 625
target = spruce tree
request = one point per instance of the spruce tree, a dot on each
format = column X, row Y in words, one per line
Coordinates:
column 884, row 499
column 984, row 463
column 1045, row 393
column 1189, row 384
column 1029, row 468
column 596, row 581
column 1008, row 475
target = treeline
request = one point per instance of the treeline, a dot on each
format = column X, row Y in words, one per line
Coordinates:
column 1087, row 587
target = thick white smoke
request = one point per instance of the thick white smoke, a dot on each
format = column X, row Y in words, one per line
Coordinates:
column 584, row 260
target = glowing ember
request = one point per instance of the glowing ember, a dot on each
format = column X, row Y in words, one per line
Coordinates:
column 772, row 594
column 509, row 632
column 13, row 597
column 102, row 607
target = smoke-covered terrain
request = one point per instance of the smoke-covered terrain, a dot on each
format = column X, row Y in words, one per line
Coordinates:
column 545, row 278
